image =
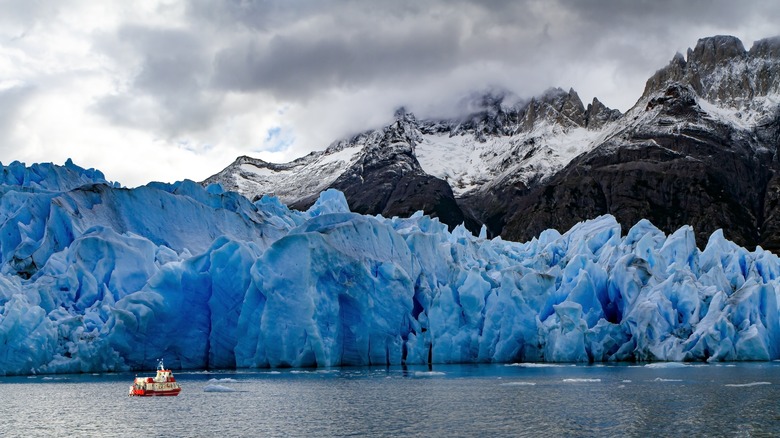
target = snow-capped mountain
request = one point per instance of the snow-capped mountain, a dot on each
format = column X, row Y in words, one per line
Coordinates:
column 308, row 175
column 413, row 164
column 522, row 143
column 377, row 170
column 699, row 147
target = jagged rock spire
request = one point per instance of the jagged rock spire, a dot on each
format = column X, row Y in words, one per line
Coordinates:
column 720, row 70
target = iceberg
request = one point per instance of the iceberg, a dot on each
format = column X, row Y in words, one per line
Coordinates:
column 217, row 388
column 95, row 278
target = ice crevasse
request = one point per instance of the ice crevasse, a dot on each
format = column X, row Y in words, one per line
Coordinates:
column 95, row 277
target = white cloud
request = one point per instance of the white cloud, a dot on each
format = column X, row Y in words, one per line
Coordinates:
column 166, row 90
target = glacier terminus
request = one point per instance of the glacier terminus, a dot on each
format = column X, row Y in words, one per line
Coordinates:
column 96, row 278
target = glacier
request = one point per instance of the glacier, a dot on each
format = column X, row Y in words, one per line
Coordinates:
column 95, row 277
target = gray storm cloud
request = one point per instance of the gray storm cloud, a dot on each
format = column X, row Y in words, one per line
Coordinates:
column 300, row 50
column 12, row 99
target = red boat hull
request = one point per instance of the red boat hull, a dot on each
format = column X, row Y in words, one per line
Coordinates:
column 153, row 393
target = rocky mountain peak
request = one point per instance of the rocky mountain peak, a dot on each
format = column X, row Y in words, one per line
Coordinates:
column 485, row 114
column 502, row 114
column 573, row 108
column 557, row 106
column 597, row 115
column 404, row 129
column 712, row 51
column 386, row 177
column 565, row 108
column 677, row 101
column 402, row 115
column 766, row 48
column 721, row 71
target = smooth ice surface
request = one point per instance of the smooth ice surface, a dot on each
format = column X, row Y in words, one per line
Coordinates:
column 95, row 277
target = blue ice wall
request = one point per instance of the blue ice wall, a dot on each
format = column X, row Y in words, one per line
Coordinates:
column 95, row 277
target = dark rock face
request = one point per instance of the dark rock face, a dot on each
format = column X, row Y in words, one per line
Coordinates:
column 671, row 179
column 674, row 72
column 768, row 48
column 597, row 115
column 397, row 194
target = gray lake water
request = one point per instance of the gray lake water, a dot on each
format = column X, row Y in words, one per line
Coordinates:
column 452, row 401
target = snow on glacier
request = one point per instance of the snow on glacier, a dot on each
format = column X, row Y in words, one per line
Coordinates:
column 96, row 277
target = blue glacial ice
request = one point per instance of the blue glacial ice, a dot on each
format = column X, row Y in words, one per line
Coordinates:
column 95, row 277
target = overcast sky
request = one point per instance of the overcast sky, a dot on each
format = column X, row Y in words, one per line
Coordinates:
column 168, row 90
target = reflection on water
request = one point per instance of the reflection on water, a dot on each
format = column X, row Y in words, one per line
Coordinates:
column 454, row 400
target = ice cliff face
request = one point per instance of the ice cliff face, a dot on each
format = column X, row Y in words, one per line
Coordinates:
column 48, row 177
column 205, row 278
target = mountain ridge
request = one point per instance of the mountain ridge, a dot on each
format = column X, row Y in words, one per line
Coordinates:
column 716, row 107
column 694, row 150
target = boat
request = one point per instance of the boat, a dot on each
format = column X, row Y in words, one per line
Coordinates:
column 162, row 384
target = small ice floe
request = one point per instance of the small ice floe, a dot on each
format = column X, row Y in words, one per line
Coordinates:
column 744, row 385
column 217, row 388
column 659, row 379
column 518, row 384
column 227, row 380
column 581, row 380
column 428, row 373
column 666, row 365
column 626, row 381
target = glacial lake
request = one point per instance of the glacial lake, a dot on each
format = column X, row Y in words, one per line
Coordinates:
column 727, row 399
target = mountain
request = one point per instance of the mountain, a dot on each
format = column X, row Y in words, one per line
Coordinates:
column 428, row 165
column 699, row 147
column 377, row 170
column 207, row 279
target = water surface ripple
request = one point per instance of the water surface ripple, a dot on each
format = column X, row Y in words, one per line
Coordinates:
column 452, row 401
